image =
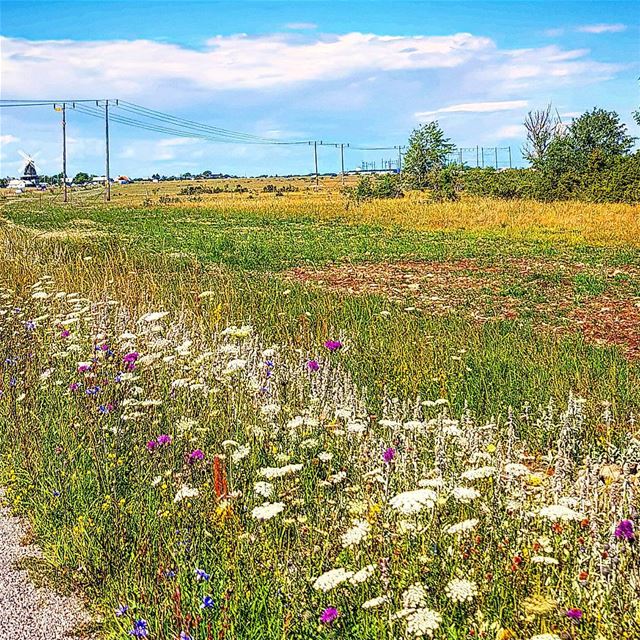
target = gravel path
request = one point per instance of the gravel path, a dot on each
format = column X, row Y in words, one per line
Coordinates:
column 27, row 611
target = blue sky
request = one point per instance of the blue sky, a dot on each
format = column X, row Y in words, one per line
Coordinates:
column 359, row 72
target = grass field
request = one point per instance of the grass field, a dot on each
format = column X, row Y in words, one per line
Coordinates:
column 463, row 461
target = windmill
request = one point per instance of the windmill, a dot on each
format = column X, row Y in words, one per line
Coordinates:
column 29, row 172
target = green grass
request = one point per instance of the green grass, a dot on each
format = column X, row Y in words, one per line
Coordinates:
column 260, row 242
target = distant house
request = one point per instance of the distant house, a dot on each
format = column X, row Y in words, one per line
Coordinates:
column 99, row 179
column 16, row 183
column 123, row 180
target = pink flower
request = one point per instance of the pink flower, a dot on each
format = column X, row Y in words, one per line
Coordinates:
column 574, row 614
column 389, row 455
column 195, row 455
column 164, row 439
column 313, row 365
column 151, row 445
column 333, row 345
column 329, row 615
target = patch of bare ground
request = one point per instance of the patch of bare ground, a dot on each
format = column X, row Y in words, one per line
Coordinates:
column 601, row 302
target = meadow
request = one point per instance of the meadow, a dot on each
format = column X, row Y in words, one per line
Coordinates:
column 269, row 413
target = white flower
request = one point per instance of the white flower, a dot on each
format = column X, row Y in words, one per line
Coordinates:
column 279, row 472
column 423, row 622
column 237, row 332
column 40, row 295
column 356, row 426
column 546, row 636
column 270, row 409
column 153, row 317
column 375, row 602
column 356, row 534
column 265, row 489
column 363, row 574
column 337, row 478
column 465, row 494
column 465, row 525
column 516, row 469
column 544, row 560
column 331, row 579
column 240, row 453
column 267, row 511
column 235, row 365
column 325, row 456
column 461, row 590
column 413, row 501
column 436, row 483
column 560, row 512
column 414, row 596
column 186, row 492
column 479, row 473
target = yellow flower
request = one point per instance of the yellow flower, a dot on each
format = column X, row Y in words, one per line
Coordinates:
column 491, row 448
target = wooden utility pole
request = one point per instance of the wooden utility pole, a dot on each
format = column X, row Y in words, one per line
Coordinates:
column 342, row 162
column 315, row 158
column 64, row 150
column 510, row 167
column 477, row 156
column 495, row 150
column 107, row 193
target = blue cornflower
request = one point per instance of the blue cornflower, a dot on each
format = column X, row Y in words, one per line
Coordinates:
column 207, row 602
column 121, row 610
column 30, row 325
column 185, row 636
column 56, row 493
column 201, row 574
column 169, row 573
column 140, row 629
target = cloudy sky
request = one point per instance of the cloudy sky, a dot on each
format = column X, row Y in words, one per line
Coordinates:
column 359, row 72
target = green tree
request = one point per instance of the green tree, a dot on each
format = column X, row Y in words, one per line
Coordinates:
column 426, row 156
column 81, row 177
column 600, row 131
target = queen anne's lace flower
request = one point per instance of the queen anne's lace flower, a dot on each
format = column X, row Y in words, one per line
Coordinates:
column 356, row 534
column 279, row 472
column 461, row 527
column 375, row 602
column 267, row 510
column 423, row 622
column 413, row 501
column 465, row 494
column 479, row 473
column 560, row 512
column 331, row 579
column 414, row 596
column 544, row 560
column 364, row 574
column 460, row 590
column 264, row 489
column 186, row 492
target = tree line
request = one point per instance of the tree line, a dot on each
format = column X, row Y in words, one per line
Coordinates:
column 590, row 159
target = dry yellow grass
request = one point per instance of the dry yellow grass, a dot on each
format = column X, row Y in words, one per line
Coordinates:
column 603, row 224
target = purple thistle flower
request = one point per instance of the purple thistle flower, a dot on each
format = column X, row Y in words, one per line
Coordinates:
column 151, row 445
column 389, row 454
column 83, row 368
column 140, row 629
column 130, row 357
column 333, row 345
column 121, row 610
column 65, row 333
column 313, row 365
column 207, row 602
column 74, row 386
column 574, row 614
column 164, row 439
column 624, row 530
column 195, row 455
column 329, row 615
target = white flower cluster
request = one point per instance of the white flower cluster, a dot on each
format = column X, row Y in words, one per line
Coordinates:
column 331, row 579
column 560, row 512
column 414, row 596
column 375, row 602
column 264, row 489
column 460, row 590
column 237, row 332
column 413, row 501
column 423, row 622
column 479, row 473
column 356, row 534
column 267, row 511
column 461, row 527
column 465, row 494
column 186, row 492
column 278, row 472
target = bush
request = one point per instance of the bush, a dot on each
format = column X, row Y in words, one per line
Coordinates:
column 388, row 185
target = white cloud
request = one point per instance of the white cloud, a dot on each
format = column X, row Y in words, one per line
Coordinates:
column 602, row 28
column 301, row 26
column 553, row 33
column 127, row 68
column 8, row 139
column 475, row 107
column 509, row 131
